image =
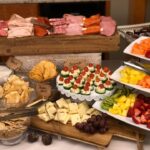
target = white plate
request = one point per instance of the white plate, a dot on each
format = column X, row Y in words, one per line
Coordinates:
column 129, row 48
column 116, row 77
column 127, row 120
column 93, row 96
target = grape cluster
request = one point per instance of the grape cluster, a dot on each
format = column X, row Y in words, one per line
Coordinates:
column 97, row 123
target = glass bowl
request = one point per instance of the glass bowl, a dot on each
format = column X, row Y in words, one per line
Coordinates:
column 13, row 131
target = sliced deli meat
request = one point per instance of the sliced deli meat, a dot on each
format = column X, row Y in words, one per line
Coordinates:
column 19, row 27
column 107, row 26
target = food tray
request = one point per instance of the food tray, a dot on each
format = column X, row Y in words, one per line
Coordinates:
column 127, row 120
column 128, row 48
column 80, row 97
column 130, row 28
column 116, row 77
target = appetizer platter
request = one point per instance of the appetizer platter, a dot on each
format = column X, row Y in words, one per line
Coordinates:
column 132, row 78
column 139, row 48
column 77, row 121
column 90, row 83
column 128, row 107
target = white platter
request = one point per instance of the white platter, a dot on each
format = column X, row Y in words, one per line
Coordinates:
column 80, row 97
column 116, row 77
column 128, row 48
column 127, row 120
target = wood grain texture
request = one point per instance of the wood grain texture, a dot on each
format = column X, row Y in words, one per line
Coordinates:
column 71, row 132
column 137, row 11
column 100, row 140
column 58, row 44
column 24, row 10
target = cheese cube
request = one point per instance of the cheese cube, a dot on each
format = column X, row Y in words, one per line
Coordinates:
column 68, row 101
column 90, row 111
column 62, row 103
column 44, row 117
column 49, row 104
column 51, row 110
column 73, row 108
column 56, row 117
column 95, row 112
column 63, row 117
column 42, row 109
column 62, row 110
column 85, row 118
column 83, row 107
column 75, row 118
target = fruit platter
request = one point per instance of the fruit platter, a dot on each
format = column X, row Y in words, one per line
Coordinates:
column 139, row 48
column 132, row 78
column 129, row 107
column 90, row 83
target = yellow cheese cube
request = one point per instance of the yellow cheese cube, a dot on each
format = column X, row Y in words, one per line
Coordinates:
column 85, row 118
column 62, row 110
column 75, row 118
column 45, row 117
column 51, row 110
column 62, row 103
column 90, row 111
column 63, row 117
column 82, row 108
column 42, row 109
column 73, row 108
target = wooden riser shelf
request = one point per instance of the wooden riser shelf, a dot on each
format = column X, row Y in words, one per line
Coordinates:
column 58, row 44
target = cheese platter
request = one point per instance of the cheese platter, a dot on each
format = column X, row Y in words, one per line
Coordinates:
column 98, row 140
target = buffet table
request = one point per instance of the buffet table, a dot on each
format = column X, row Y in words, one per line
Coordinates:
column 116, row 144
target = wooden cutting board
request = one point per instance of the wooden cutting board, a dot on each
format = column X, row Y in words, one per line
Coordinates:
column 100, row 140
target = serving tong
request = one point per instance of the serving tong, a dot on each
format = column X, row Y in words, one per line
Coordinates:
column 137, row 65
column 48, row 27
column 31, row 110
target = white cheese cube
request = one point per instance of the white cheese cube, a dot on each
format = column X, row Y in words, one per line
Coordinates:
column 49, row 104
column 42, row 109
column 73, row 108
column 51, row 110
column 85, row 118
column 68, row 101
column 63, row 117
column 83, row 107
column 62, row 110
column 75, row 118
column 44, row 117
column 56, row 117
column 62, row 103
column 95, row 112
column 90, row 111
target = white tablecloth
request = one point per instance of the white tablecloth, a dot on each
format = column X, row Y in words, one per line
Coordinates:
column 66, row 144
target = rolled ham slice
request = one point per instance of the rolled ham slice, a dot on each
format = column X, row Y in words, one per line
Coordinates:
column 71, row 19
column 74, row 29
column 19, row 27
column 107, row 26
